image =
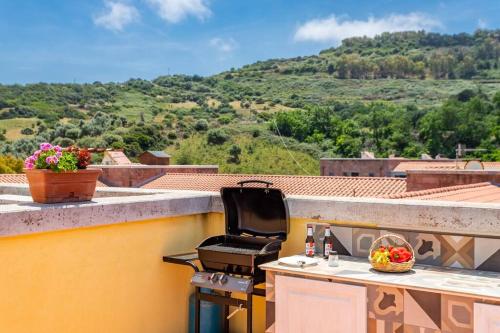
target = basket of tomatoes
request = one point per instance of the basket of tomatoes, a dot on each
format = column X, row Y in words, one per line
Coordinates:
column 391, row 253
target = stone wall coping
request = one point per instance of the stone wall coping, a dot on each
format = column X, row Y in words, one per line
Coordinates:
column 147, row 166
column 454, row 172
column 371, row 159
column 119, row 205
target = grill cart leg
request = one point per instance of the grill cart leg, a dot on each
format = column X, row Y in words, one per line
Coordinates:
column 225, row 313
column 249, row 313
column 197, row 310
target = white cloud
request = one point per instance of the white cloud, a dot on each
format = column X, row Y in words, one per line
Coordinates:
column 174, row 11
column 116, row 16
column 224, row 45
column 335, row 29
column 482, row 24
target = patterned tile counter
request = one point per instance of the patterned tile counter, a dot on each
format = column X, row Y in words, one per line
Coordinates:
column 427, row 299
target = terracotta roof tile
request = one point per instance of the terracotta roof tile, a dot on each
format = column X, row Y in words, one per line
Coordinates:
column 441, row 165
column 20, row 178
column 118, row 157
column 479, row 192
column 290, row 185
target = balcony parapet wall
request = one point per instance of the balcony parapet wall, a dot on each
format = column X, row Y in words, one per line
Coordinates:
column 125, row 205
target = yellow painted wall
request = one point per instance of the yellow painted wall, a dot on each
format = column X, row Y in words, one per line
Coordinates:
column 110, row 278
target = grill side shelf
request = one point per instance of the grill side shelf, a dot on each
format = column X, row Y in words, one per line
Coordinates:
column 186, row 259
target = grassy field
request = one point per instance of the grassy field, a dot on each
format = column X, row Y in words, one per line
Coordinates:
column 258, row 156
column 132, row 104
column 15, row 125
column 322, row 88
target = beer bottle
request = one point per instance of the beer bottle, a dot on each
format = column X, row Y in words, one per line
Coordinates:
column 327, row 242
column 310, row 244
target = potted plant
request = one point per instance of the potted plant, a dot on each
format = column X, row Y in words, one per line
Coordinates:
column 57, row 175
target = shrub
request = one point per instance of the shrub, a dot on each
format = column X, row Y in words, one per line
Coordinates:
column 217, row 136
column 234, row 154
column 172, row 135
column 110, row 139
column 73, row 133
column 225, row 119
column 201, row 125
column 10, row 164
column 64, row 142
column 27, row 131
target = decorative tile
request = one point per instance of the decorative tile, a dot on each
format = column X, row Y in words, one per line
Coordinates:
column 487, row 254
column 427, row 248
column 457, row 314
column 392, row 241
column 422, row 309
column 362, row 239
column 385, row 303
column 342, row 240
column 457, row 251
column 382, row 326
column 416, row 329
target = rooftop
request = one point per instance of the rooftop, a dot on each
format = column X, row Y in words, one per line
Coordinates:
column 480, row 192
column 157, row 153
column 441, row 165
column 117, row 157
column 290, row 185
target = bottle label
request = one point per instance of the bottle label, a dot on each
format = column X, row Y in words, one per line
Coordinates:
column 328, row 248
column 310, row 249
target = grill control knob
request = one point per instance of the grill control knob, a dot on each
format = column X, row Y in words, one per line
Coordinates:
column 222, row 279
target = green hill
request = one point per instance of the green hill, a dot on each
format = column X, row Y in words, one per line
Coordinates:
column 398, row 93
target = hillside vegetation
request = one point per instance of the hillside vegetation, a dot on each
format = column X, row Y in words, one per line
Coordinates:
column 398, row 93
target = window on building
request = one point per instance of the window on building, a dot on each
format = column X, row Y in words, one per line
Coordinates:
column 354, row 174
column 371, row 174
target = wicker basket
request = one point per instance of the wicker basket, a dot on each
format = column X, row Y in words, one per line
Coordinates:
column 392, row 267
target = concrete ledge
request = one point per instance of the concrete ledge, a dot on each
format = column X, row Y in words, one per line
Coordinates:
column 122, row 205
column 28, row 217
column 417, row 215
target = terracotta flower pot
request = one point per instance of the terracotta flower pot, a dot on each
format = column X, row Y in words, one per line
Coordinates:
column 47, row 186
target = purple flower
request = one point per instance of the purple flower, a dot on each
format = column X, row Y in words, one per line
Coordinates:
column 57, row 148
column 29, row 163
column 45, row 146
column 58, row 154
column 37, row 153
column 51, row 160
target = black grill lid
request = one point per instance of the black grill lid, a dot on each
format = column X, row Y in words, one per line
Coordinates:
column 256, row 211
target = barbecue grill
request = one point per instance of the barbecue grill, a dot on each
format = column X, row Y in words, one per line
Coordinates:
column 257, row 222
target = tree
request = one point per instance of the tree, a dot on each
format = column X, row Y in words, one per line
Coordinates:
column 27, row 131
column 234, row 154
column 330, row 69
column 201, row 125
column 217, row 136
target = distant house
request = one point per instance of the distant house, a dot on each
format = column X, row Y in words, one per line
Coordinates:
column 154, row 157
column 115, row 157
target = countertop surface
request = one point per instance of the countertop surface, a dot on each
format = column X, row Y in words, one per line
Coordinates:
column 480, row 284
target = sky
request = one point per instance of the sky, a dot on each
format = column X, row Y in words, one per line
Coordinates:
column 114, row 40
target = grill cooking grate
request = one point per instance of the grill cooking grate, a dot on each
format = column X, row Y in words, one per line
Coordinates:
column 231, row 249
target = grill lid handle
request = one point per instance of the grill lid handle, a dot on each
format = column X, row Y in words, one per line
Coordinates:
column 243, row 182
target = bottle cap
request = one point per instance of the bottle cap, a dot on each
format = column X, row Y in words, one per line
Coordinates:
column 333, row 252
